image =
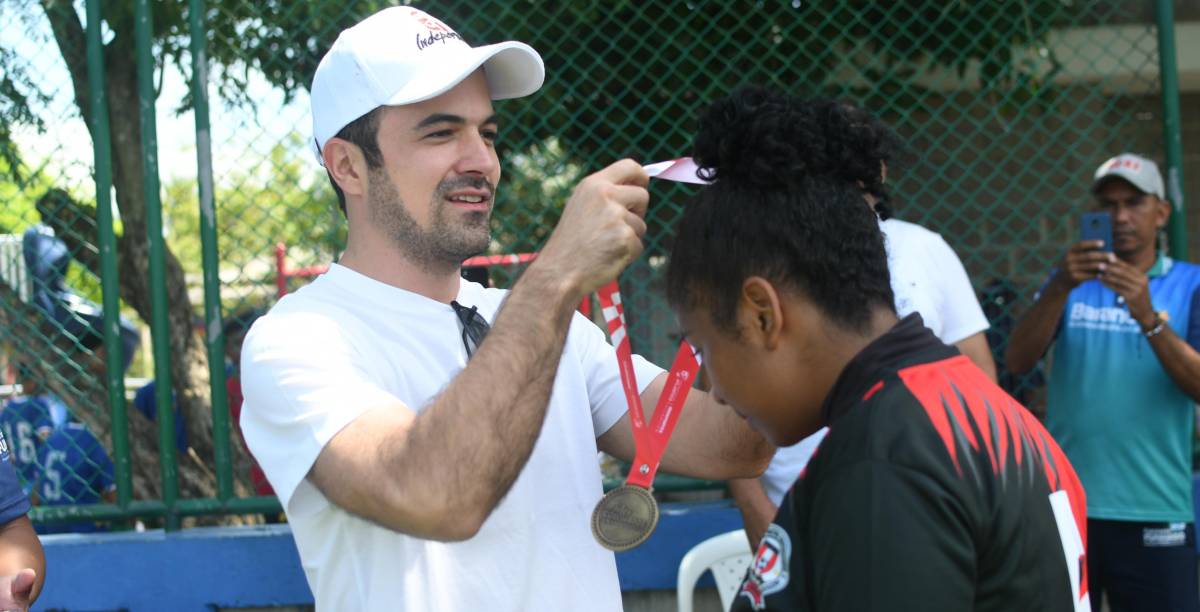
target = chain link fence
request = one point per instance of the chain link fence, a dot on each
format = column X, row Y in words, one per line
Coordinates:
column 49, row 288
column 1005, row 109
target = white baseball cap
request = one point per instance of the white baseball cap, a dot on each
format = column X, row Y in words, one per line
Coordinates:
column 401, row 55
column 1142, row 173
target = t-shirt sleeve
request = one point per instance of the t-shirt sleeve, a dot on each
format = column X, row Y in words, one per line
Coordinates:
column 961, row 314
column 14, row 503
column 302, row 383
column 886, row 537
column 598, row 359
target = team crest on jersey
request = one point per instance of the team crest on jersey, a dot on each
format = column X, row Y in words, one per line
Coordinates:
column 769, row 572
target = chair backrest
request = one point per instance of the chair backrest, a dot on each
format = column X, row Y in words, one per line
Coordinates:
column 726, row 555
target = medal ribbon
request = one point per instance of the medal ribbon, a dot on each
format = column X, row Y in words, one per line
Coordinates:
column 651, row 440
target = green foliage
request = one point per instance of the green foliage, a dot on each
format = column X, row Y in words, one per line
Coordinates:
column 537, row 183
column 17, row 209
column 279, row 201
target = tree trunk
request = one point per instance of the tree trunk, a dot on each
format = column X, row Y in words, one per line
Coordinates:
column 188, row 361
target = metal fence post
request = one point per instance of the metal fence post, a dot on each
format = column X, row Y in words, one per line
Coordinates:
column 159, row 324
column 101, row 142
column 1172, row 131
column 214, row 332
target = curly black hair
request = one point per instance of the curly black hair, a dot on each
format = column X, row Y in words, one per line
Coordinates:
column 848, row 142
column 776, row 210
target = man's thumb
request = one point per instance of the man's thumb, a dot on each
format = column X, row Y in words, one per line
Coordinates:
column 22, row 584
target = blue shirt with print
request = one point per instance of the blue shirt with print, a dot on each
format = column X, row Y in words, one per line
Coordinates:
column 1126, row 427
column 75, row 470
column 26, row 422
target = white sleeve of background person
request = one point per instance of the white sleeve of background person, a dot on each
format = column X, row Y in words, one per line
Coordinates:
column 962, row 316
column 598, row 360
column 928, row 278
column 302, row 383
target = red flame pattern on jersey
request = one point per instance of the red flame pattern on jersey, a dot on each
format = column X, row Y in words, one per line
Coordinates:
column 960, row 400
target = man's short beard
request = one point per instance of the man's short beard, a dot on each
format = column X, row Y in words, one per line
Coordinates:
column 441, row 246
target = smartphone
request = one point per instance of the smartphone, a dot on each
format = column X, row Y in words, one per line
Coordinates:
column 1097, row 226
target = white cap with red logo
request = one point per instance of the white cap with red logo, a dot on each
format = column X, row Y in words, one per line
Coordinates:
column 401, row 55
column 1142, row 173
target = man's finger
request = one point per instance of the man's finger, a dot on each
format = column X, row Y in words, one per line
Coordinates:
column 632, row 197
column 625, row 172
column 637, row 223
column 1092, row 257
column 1087, row 245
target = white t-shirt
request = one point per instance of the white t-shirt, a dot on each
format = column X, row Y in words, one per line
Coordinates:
column 927, row 277
column 345, row 344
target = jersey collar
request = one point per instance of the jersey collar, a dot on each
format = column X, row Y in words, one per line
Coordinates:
column 1161, row 267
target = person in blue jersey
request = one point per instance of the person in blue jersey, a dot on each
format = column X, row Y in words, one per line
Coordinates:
column 145, row 401
column 1124, row 322
column 22, row 561
column 47, row 259
column 75, row 470
column 27, row 420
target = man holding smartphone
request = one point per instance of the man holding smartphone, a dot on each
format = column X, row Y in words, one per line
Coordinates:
column 1124, row 320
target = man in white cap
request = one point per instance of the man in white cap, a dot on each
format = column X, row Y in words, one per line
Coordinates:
column 1125, row 323
column 422, row 467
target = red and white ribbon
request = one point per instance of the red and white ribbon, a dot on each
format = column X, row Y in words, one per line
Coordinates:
column 650, row 441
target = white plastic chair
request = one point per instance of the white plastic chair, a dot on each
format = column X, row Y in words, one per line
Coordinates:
column 727, row 555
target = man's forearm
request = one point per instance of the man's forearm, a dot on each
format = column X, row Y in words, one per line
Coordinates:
column 1179, row 359
column 469, row 445
column 710, row 441
column 1035, row 331
column 756, row 508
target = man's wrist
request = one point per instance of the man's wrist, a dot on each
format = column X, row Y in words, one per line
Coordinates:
column 1153, row 327
column 550, row 286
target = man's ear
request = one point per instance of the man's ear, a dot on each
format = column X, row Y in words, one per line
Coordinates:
column 760, row 313
column 346, row 164
column 1163, row 212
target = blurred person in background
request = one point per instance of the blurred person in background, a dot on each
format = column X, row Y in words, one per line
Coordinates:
column 1124, row 323
column 235, row 328
column 27, row 420
column 75, row 470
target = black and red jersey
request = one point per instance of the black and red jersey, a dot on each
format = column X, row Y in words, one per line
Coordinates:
column 933, row 491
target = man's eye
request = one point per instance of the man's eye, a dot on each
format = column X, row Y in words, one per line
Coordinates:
column 439, row 134
column 490, row 135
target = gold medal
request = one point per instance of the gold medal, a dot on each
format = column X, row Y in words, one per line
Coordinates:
column 624, row 518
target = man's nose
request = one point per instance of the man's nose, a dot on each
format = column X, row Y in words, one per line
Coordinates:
column 477, row 156
column 1121, row 214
